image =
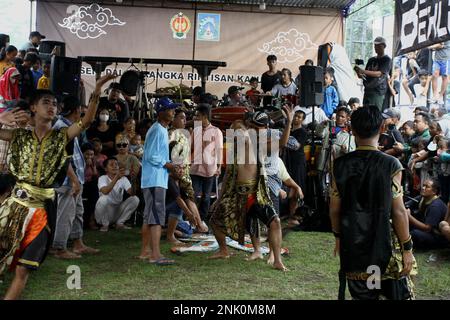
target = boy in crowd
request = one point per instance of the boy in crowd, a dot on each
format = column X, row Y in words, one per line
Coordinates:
column 331, row 99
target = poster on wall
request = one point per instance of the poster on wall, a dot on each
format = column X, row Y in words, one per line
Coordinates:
column 420, row 23
column 180, row 26
column 208, row 28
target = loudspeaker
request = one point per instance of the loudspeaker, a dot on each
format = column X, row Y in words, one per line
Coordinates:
column 65, row 75
column 4, row 39
column 323, row 55
column 311, row 86
column 47, row 46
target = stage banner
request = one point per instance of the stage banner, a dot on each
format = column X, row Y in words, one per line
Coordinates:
column 242, row 39
column 420, row 23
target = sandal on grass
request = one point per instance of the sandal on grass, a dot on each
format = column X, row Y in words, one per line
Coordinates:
column 162, row 262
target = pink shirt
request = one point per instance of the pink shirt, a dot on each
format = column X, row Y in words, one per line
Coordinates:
column 208, row 145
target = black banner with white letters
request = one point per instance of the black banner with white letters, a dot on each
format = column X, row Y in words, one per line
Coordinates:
column 420, row 23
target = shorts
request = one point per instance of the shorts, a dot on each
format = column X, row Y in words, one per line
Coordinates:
column 442, row 66
column 174, row 211
column 265, row 214
column 276, row 202
column 34, row 254
column 155, row 206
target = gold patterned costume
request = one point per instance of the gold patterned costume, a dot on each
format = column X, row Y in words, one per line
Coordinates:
column 38, row 167
column 182, row 153
column 230, row 212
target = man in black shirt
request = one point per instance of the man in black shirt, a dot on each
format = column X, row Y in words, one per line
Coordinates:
column 270, row 78
column 375, row 75
column 391, row 134
column 366, row 195
column 26, row 84
column 118, row 108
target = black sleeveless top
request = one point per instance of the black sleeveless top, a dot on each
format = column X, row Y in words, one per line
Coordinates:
column 364, row 182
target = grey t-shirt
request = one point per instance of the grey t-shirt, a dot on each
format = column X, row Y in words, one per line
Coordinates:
column 444, row 53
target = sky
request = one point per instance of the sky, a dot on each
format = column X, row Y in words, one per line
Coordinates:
column 15, row 20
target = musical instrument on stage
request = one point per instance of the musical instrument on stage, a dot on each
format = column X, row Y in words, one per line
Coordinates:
column 223, row 117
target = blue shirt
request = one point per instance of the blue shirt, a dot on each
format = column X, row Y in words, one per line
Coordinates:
column 77, row 157
column 331, row 101
column 36, row 76
column 156, row 155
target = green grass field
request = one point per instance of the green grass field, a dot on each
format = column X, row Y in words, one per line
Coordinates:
column 115, row 274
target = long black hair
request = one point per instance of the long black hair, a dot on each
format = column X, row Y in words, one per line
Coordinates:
column 5, row 50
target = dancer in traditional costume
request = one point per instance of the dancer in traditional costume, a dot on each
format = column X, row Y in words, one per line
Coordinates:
column 38, row 161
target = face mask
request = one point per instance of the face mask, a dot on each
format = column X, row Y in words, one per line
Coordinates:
column 104, row 117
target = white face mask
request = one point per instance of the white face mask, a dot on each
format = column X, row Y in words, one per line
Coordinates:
column 104, row 117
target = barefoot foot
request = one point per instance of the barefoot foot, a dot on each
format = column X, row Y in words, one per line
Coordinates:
column 220, row 255
column 255, row 256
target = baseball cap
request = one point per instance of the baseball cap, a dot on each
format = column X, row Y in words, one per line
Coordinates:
column 234, row 89
column 391, row 113
column 380, row 40
column 36, row 34
column 164, row 104
column 260, row 119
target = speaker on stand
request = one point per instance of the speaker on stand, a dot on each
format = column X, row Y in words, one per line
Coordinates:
column 312, row 96
column 65, row 75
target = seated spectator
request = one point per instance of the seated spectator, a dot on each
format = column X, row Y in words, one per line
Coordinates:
column 235, row 97
column 179, row 202
column 391, row 134
column 344, row 141
column 444, row 227
column 407, row 131
column 106, row 131
column 44, row 81
column 136, row 147
column 9, row 84
column 90, row 189
column 129, row 127
column 7, row 57
column 354, row 103
column 425, row 214
column 117, row 107
column 319, row 115
column 110, row 207
column 331, row 98
column 442, row 163
column 412, row 77
column 253, row 94
column 127, row 161
column 99, row 157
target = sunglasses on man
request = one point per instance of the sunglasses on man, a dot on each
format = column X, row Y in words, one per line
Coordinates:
column 122, row 145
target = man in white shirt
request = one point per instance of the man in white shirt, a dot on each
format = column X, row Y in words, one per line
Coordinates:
column 110, row 207
column 319, row 114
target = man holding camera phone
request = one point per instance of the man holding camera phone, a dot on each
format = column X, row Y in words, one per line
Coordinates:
column 375, row 76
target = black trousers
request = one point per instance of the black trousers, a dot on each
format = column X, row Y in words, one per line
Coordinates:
column 390, row 289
